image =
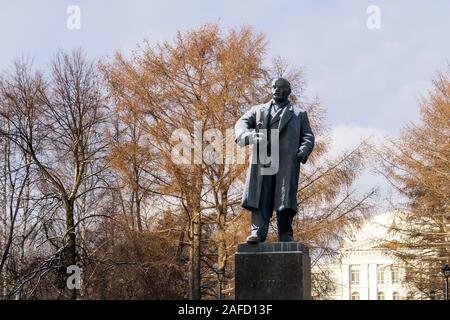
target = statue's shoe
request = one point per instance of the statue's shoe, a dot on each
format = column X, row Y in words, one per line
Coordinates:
column 254, row 239
column 285, row 238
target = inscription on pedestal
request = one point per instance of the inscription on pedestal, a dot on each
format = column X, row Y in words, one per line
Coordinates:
column 272, row 271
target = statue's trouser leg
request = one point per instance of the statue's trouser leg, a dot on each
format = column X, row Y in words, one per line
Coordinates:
column 284, row 220
column 261, row 218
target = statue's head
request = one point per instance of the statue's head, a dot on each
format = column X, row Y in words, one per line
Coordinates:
column 281, row 89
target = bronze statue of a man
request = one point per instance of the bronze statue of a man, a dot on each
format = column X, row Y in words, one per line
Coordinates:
column 283, row 131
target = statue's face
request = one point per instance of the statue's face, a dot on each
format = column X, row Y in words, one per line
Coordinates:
column 280, row 90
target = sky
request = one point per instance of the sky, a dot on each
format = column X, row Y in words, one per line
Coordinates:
column 370, row 80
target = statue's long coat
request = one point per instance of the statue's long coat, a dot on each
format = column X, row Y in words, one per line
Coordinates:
column 295, row 135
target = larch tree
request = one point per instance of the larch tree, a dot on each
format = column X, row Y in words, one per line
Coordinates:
column 417, row 165
column 200, row 81
column 130, row 157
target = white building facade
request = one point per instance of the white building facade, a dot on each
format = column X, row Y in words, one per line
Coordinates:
column 363, row 271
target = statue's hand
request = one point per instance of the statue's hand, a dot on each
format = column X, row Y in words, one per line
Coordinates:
column 252, row 138
column 301, row 156
column 258, row 137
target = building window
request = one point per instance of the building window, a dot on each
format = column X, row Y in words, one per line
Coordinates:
column 355, row 295
column 380, row 295
column 354, row 275
column 396, row 296
column 380, row 275
column 395, row 276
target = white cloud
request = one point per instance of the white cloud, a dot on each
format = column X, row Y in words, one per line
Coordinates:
column 348, row 136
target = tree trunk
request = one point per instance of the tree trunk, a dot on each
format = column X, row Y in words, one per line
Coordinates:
column 70, row 251
column 3, row 236
column 194, row 285
column 222, row 255
column 138, row 212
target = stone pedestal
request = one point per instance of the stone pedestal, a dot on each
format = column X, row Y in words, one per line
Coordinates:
column 272, row 271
